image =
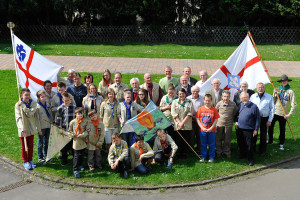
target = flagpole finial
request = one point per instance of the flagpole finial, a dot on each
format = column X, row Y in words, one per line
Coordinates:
column 10, row 25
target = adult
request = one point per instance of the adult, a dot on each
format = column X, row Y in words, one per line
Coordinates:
column 187, row 72
column 118, row 87
column 215, row 92
column 92, row 101
column 265, row 104
column 203, row 76
column 105, row 83
column 182, row 112
column 227, row 110
column 48, row 90
column 243, row 88
column 286, row 97
column 88, row 79
column 68, row 80
column 135, row 86
column 184, row 84
column 78, row 90
column 155, row 91
column 247, row 122
column 165, row 82
column 197, row 101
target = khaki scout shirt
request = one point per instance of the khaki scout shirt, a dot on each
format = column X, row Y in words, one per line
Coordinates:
column 179, row 111
column 41, row 118
column 91, row 135
column 167, row 113
column 106, row 115
column 79, row 143
column 87, row 103
column 134, row 154
column 134, row 110
column 119, row 90
column 169, row 141
column 289, row 98
column 102, row 90
column 115, row 153
column 28, row 122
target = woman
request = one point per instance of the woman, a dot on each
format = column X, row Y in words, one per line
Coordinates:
column 108, row 114
column 88, row 79
column 105, row 83
column 165, row 107
column 182, row 112
column 142, row 98
column 92, row 100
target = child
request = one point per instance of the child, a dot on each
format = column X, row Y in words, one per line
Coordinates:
column 207, row 118
column 96, row 137
column 24, row 112
column 43, row 119
column 57, row 99
column 65, row 114
column 118, row 155
column 141, row 155
column 78, row 127
column 127, row 110
column 92, row 100
column 164, row 147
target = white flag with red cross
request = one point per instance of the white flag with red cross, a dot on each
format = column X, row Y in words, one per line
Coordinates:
column 34, row 69
column 242, row 65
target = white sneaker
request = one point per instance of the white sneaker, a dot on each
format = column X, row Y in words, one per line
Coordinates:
column 281, row 147
column 202, row 160
column 211, row 160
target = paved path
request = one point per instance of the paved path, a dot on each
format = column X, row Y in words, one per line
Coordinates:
column 153, row 65
column 278, row 183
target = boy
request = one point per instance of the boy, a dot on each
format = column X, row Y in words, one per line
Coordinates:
column 207, row 118
column 118, row 155
column 57, row 99
column 24, row 113
column 164, row 147
column 65, row 114
column 43, row 121
column 78, row 90
column 95, row 137
column 141, row 155
column 78, row 127
column 127, row 110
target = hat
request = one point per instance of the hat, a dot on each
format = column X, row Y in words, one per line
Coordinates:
column 284, row 77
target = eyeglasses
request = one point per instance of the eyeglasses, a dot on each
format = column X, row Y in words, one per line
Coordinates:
column 141, row 94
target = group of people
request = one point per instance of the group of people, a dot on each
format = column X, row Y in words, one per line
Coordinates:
column 94, row 116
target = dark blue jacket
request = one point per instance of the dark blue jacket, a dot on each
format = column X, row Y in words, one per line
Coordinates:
column 248, row 116
column 78, row 93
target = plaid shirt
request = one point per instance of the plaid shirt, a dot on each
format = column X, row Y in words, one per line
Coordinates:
column 65, row 115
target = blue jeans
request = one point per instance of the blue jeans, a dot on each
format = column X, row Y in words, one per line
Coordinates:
column 43, row 143
column 141, row 169
column 210, row 139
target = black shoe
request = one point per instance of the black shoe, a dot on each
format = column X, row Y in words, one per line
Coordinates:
column 240, row 157
column 251, row 163
column 149, row 169
column 125, row 174
column 262, row 154
column 64, row 162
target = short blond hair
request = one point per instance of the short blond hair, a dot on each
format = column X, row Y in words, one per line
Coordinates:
column 160, row 132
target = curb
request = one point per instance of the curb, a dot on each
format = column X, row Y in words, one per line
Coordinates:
column 171, row 186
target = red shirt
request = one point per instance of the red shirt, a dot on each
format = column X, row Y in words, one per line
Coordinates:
column 207, row 116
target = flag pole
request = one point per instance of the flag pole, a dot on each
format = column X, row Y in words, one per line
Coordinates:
column 11, row 25
column 254, row 45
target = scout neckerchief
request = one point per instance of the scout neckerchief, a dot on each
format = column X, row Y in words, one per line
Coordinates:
column 182, row 104
column 141, row 151
column 112, row 110
column 163, row 144
column 45, row 107
column 128, row 113
column 60, row 98
column 168, row 101
column 283, row 90
column 27, row 104
column 107, row 83
column 95, row 123
column 78, row 127
column 118, row 148
column 93, row 103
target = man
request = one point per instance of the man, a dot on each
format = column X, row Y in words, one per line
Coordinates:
column 243, row 88
column 184, row 84
column 203, row 77
column 68, row 80
column 78, row 90
column 135, row 86
column 227, row 110
column 187, row 72
column 197, row 103
column 265, row 104
column 118, row 86
column 286, row 97
column 164, row 82
column 215, row 92
column 247, row 122
column 155, row 91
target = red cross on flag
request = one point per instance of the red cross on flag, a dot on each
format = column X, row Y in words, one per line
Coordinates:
column 242, row 65
column 34, row 69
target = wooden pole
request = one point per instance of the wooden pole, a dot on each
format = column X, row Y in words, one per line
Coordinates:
column 11, row 25
column 254, row 45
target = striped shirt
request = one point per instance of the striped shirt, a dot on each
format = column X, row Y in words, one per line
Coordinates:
column 65, row 115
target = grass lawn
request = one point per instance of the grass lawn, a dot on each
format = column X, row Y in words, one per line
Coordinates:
column 182, row 172
column 280, row 52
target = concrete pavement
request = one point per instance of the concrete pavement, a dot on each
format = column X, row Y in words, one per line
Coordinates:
column 279, row 183
column 153, row 65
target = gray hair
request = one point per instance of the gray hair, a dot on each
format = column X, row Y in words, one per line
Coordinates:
column 244, row 93
column 195, row 87
column 215, row 79
column 260, row 83
column 134, row 79
column 71, row 71
column 226, row 92
column 168, row 67
column 244, row 83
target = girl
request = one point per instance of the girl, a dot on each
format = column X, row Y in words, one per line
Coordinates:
column 105, row 83
column 88, row 79
column 92, row 100
column 142, row 98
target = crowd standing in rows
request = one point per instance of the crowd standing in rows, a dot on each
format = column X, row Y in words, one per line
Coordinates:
column 95, row 115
